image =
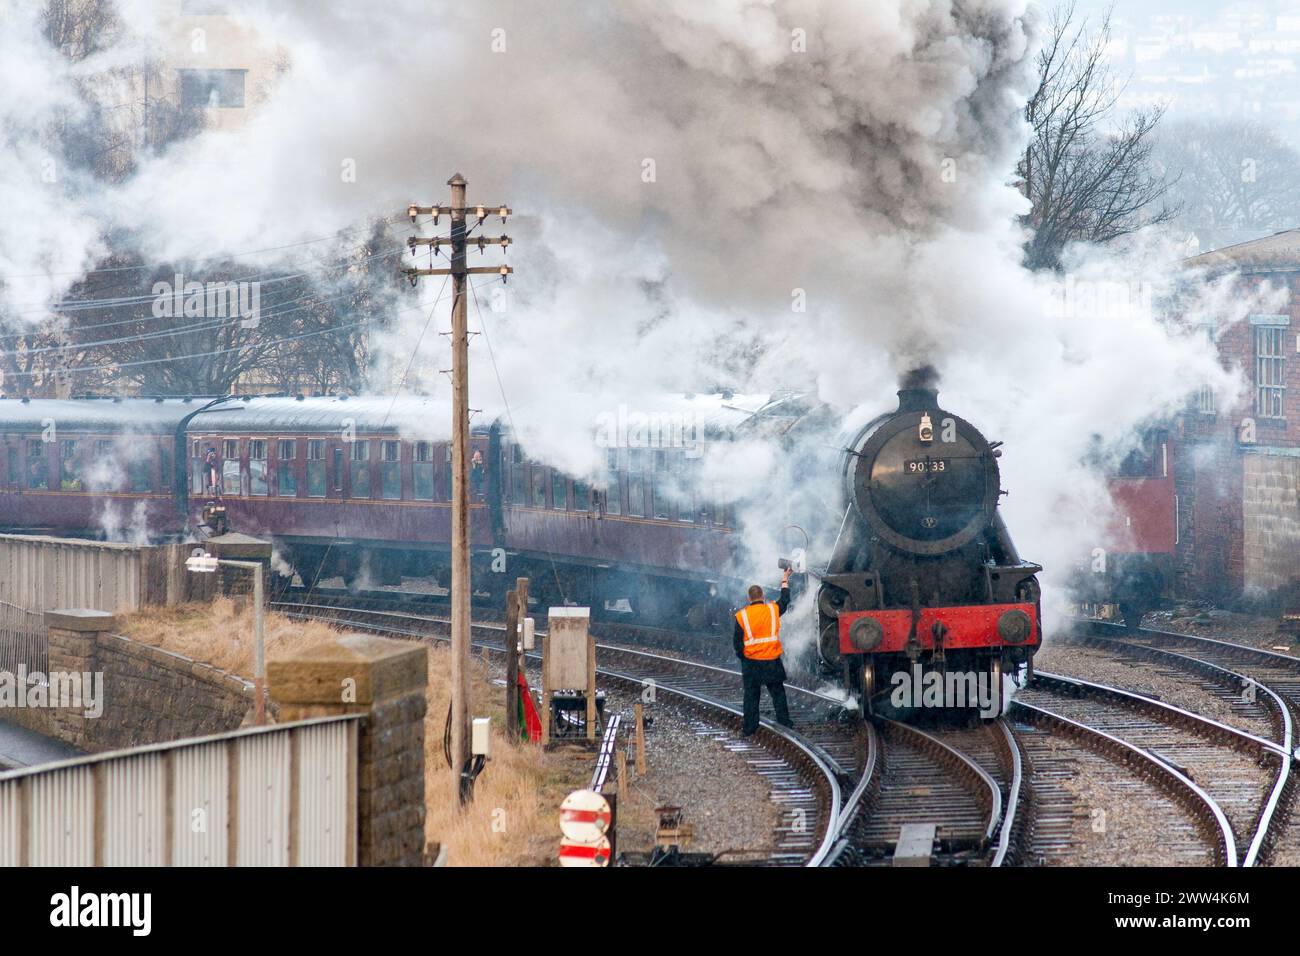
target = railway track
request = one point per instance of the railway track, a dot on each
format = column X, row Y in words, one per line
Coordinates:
column 1239, row 774
column 975, row 798
column 966, row 783
column 1260, row 685
column 804, row 769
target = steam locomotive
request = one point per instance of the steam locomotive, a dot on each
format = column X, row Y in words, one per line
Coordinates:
column 924, row 597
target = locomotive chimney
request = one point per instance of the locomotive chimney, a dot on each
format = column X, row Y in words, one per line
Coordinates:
column 919, row 392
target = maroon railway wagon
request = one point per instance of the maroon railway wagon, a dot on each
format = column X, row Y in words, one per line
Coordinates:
column 1133, row 567
column 360, row 488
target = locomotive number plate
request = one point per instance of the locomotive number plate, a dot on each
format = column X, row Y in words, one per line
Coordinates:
column 922, row 467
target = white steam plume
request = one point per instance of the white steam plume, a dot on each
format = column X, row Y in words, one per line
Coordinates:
column 686, row 176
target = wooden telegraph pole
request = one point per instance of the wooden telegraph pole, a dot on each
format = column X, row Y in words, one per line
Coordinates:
column 458, row 212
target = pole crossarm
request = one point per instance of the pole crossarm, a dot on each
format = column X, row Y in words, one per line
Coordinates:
column 480, row 212
column 474, row 271
column 437, row 241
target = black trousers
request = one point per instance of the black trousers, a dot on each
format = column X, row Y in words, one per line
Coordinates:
column 755, row 676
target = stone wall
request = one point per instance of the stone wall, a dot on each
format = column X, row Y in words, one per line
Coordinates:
column 1207, row 480
column 388, row 681
column 1270, row 522
column 149, row 695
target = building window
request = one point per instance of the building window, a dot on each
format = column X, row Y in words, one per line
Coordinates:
column 315, row 468
column 390, row 470
column 422, row 471
column 286, row 479
column 1270, row 371
column 38, row 472
column 217, row 89
column 361, row 469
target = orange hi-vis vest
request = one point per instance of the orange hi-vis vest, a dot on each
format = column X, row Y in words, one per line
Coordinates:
column 762, row 625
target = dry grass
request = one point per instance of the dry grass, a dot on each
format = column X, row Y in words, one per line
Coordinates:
column 514, row 819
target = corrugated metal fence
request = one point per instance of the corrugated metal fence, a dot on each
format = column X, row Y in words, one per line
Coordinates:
column 50, row 573
column 283, row 795
column 23, row 640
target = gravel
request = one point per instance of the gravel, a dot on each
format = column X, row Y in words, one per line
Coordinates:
column 1253, row 629
column 690, row 765
column 1092, row 812
column 1166, row 683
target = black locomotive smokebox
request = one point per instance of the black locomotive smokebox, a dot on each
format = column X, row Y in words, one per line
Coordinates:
column 924, row 480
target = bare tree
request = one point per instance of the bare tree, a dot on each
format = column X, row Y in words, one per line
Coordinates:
column 1089, row 177
column 1234, row 179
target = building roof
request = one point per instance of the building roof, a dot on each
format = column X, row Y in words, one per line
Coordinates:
column 1279, row 252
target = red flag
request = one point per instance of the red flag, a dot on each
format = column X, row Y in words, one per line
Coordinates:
column 528, row 717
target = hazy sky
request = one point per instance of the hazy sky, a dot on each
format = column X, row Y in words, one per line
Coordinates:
column 1229, row 61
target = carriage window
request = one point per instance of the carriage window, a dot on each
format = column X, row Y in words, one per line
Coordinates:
column 636, row 495
column 38, row 472
column 69, row 472
column 139, row 473
column 422, row 471
column 197, row 478
column 257, row 482
column 286, row 479
column 721, row 509
column 338, row 469
column 315, row 468
column 581, row 496
column 15, row 474
column 688, row 478
column 361, row 469
column 164, row 468
column 613, row 492
column 686, row 506
column 660, row 499
column 518, row 487
column 559, row 490
column 230, row 480
column 539, row 486
column 390, row 470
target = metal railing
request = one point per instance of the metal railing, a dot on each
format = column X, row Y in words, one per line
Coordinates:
column 24, row 644
column 284, row 795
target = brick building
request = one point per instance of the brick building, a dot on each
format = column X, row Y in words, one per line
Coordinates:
column 1237, row 470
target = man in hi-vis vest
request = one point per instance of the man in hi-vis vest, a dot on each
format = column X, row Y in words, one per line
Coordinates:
column 757, row 639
